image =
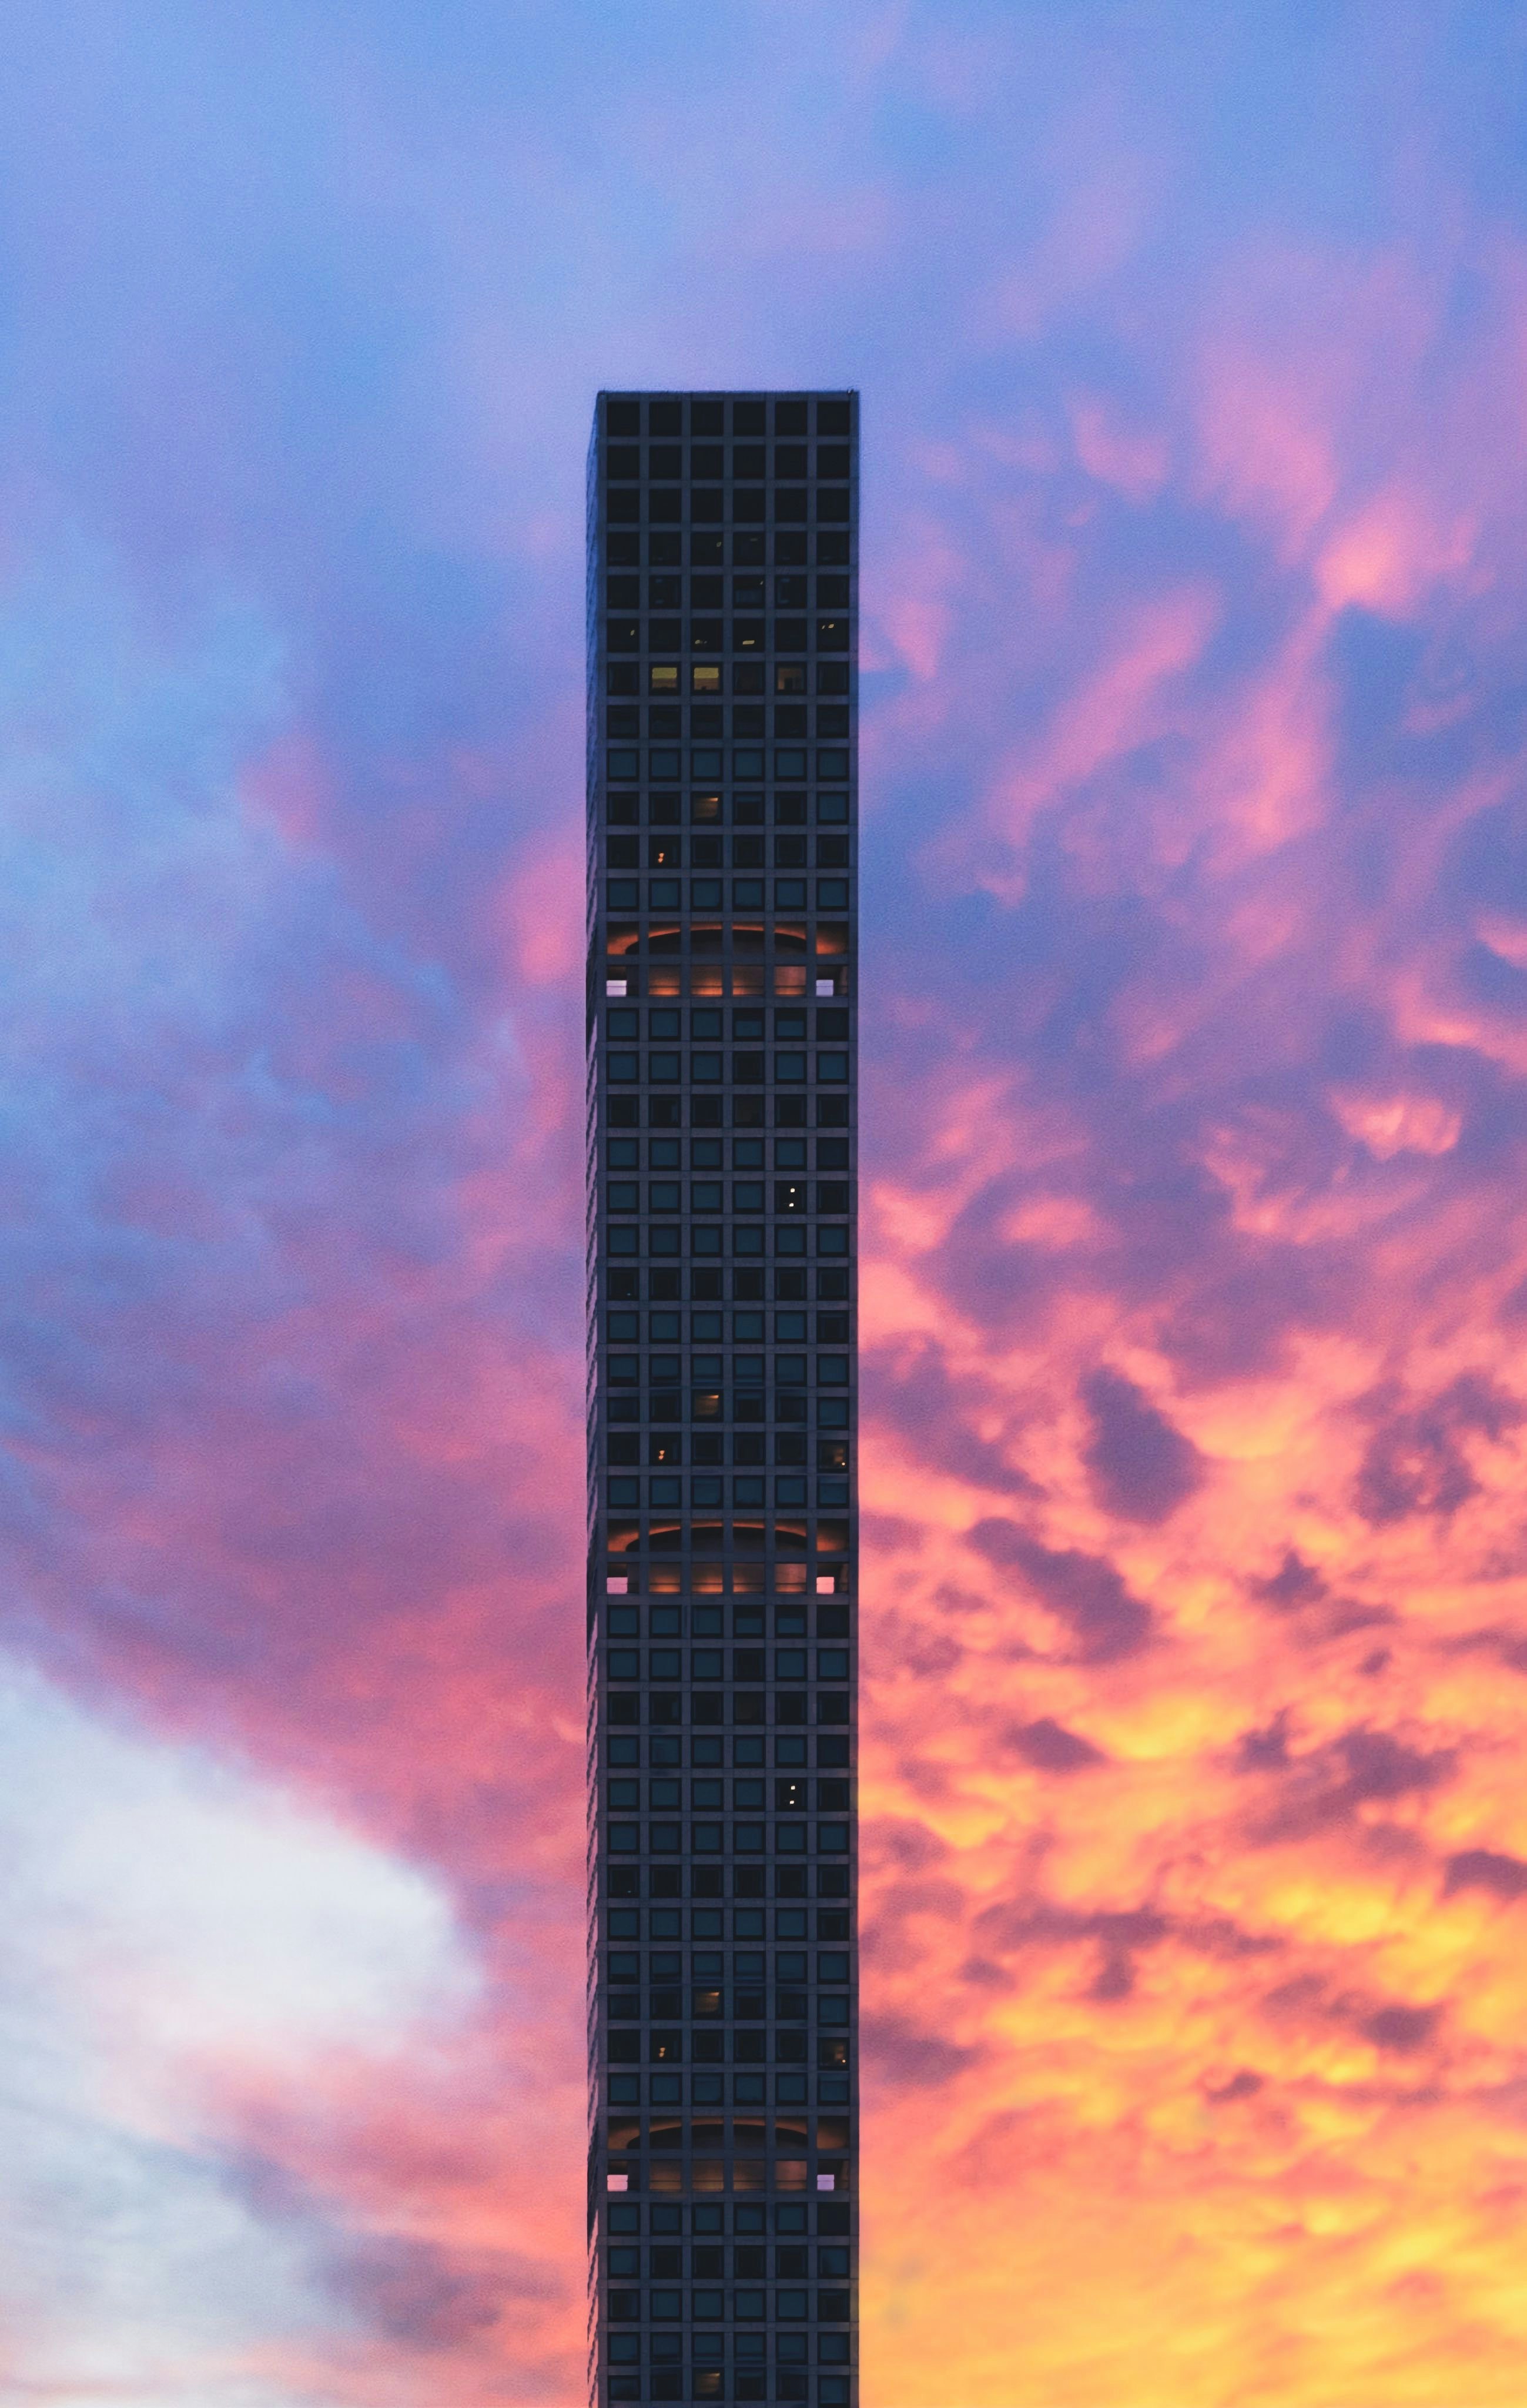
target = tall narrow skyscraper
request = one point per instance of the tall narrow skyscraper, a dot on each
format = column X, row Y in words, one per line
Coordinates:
column 723, row 1554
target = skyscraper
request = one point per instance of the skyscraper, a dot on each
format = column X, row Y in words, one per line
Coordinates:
column 722, row 611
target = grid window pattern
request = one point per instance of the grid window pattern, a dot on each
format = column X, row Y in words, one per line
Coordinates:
column 722, row 614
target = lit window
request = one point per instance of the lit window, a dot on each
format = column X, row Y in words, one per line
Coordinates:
column 662, row 676
column 705, row 677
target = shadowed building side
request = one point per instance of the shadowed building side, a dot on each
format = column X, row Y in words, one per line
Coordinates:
column 722, row 1554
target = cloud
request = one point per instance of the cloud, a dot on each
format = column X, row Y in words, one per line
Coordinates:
column 1083, row 1592
column 173, row 1926
column 1141, row 1467
column 1486, row 1869
column 1415, row 1462
column 1049, row 1748
column 1192, row 1167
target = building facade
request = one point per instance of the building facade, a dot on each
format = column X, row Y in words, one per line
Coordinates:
column 722, row 1551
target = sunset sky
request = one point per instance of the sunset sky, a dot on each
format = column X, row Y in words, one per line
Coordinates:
column 1192, row 343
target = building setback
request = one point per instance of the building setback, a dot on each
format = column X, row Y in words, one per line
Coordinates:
column 722, row 1551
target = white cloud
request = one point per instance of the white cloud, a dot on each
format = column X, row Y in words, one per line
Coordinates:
column 159, row 1913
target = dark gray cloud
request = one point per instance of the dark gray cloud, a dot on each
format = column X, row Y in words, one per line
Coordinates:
column 1052, row 1748
column 1486, row 1868
column 1404, row 2029
column 427, row 2297
column 1084, row 1592
column 906, row 2053
column 939, row 1416
column 1416, row 1461
column 1295, row 1584
column 1142, row 1468
column 1322, row 1786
